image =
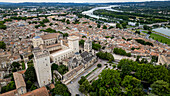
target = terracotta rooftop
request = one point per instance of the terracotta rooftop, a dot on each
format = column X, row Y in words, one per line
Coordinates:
column 154, row 54
column 52, row 86
column 9, row 93
column 19, row 80
column 22, row 72
column 38, row 92
column 53, row 45
column 50, row 36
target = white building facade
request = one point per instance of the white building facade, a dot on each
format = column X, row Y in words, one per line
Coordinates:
column 50, row 50
column 42, row 67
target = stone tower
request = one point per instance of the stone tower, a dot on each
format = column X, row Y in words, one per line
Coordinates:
column 73, row 43
column 42, row 67
column 88, row 44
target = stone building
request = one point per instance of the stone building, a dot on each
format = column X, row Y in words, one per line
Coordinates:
column 50, row 49
column 88, row 45
column 42, row 67
column 48, row 39
column 164, row 59
column 80, row 62
column 38, row 92
column 73, row 43
column 20, row 83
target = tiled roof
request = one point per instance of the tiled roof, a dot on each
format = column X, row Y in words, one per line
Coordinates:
column 9, row 93
column 84, row 54
column 50, row 36
column 19, row 80
column 22, row 72
column 38, row 92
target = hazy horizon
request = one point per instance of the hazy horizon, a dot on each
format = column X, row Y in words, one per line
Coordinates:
column 78, row 1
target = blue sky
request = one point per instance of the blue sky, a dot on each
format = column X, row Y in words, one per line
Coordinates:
column 77, row 1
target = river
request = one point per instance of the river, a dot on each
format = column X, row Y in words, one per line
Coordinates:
column 162, row 30
column 90, row 12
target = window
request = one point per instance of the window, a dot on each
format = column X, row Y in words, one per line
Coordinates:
column 22, row 91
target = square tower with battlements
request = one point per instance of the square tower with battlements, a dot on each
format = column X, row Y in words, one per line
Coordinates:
column 42, row 67
column 73, row 43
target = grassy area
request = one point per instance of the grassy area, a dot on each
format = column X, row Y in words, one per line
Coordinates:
column 128, row 26
column 160, row 38
column 91, row 72
column 144, row 31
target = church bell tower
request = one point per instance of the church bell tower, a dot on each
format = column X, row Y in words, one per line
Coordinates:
column 88, row 44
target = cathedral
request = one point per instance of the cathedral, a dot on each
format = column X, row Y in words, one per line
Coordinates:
column 52, row 48
column 80, row 61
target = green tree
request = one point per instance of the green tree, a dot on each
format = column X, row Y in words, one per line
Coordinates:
column 160, row 88
column 30, row 74
column 99, row 65
column 120, row 51
column 23, row 65
column 61, row 89
column 29, row 84
column 111, row 27
column 137, row 24
column 68, row 21
column 45, row 21
column 98, row 25
column 81, row 42
column 137, row 32
column 84, row 36
column 110, row 79
column 93, row 94
column 2, row 45
column 104, row 27
column 33, row 87
column 50, row 24
column 10, row 86
column 130, row 82
column 96, row 46
column 54, row 66
column 150, row 73
column 137, row 59
column 145, row 27
column 82, row 80
column 150, row 31
column 16, row 65
column 106, row 56
column 62, row 69
column 127, row 66
column 85, row 87
column 124, row 24
column 65, row 35
column 118, row 26
column 138, row 92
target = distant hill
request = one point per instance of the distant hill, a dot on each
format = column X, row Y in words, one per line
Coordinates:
column 5, row 2
column 147, row 3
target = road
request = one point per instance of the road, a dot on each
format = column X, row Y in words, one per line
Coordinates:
column 119, row 57
column 97, row 72
column 74, row 86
